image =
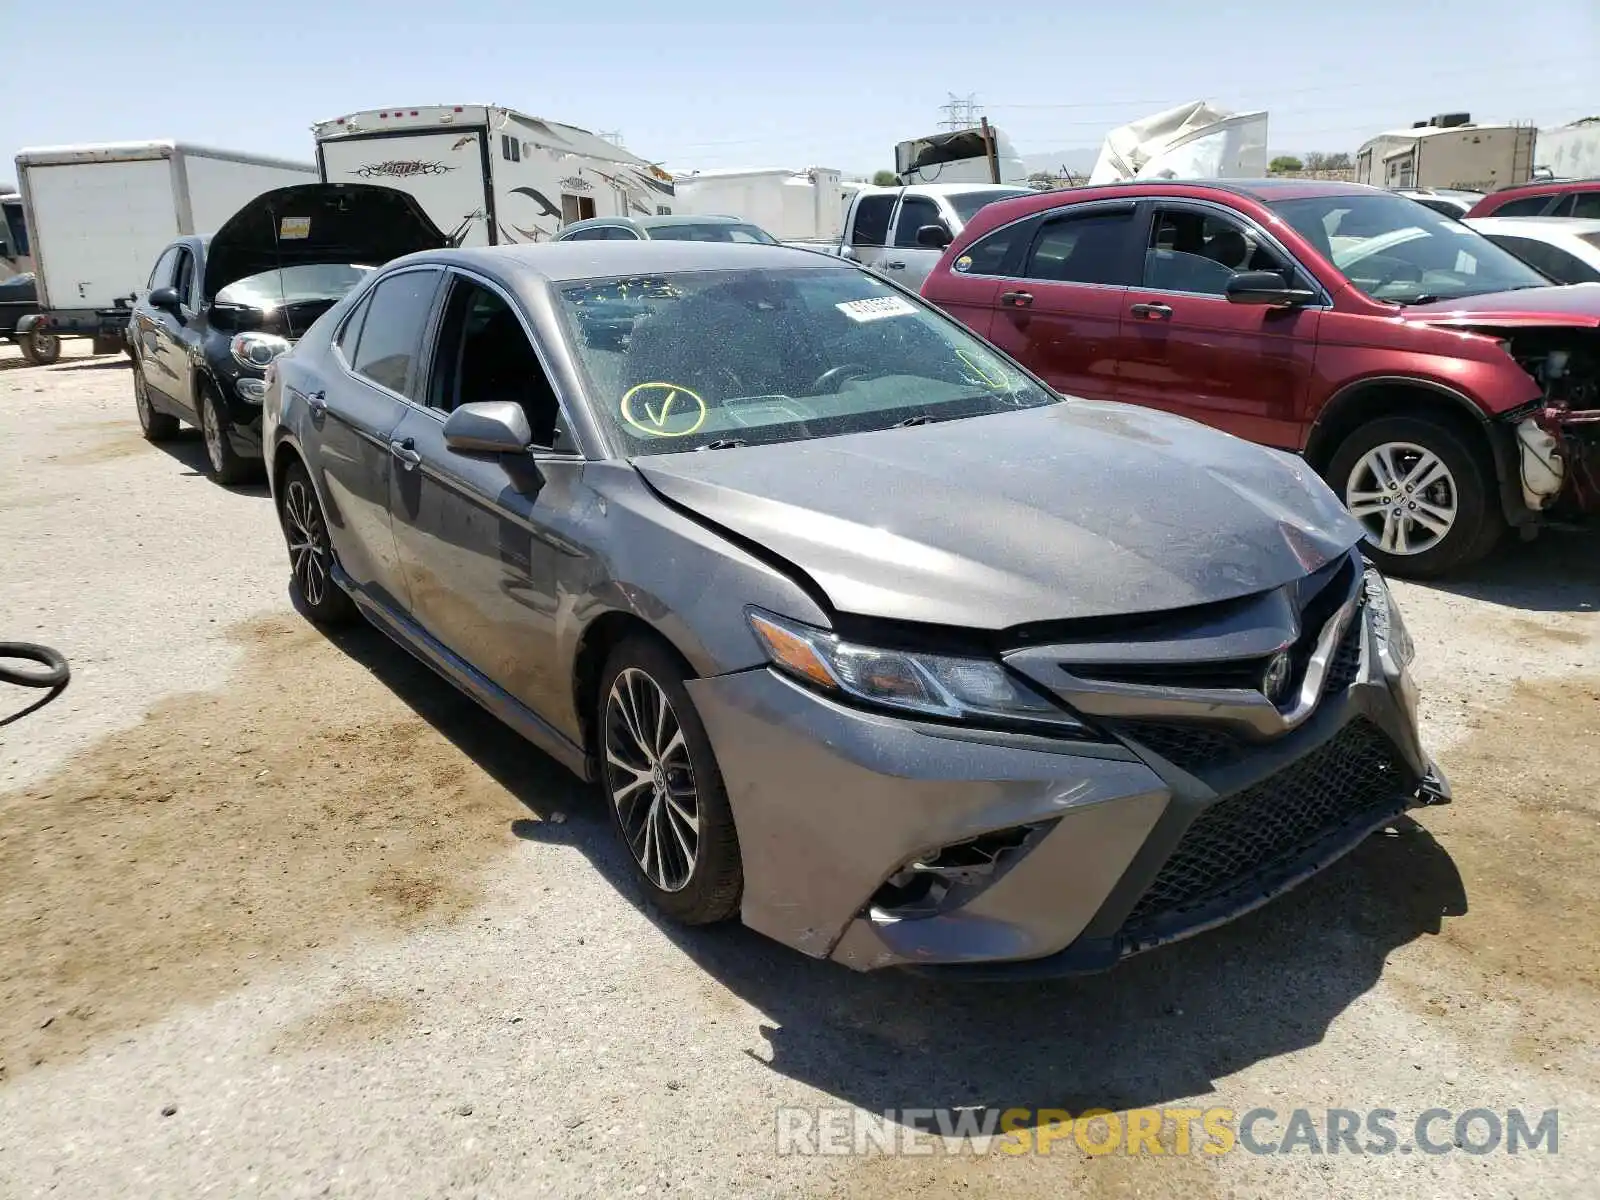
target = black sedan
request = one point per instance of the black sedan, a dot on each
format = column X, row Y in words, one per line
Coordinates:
column 218, row 310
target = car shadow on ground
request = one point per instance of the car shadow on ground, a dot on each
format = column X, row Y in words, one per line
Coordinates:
column 188, row 449
column 1559, row 571
column 106, row 363
column 1159, row 1027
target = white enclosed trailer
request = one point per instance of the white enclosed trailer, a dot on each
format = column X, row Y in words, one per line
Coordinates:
column 97, row 217
column 489, row 176
column 793, row 206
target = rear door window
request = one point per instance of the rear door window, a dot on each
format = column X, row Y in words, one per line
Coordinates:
column 1525, row 206
column 1586, row 204
column 391, row 334
column 871, row 225
column 999, row 253
column 1087, row 247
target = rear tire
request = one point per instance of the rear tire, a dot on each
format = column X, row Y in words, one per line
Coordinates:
column 157, row 426
column 1424, row 491
column 40, row 349
column 663, row 787
column 226, row 466
column 305, row 529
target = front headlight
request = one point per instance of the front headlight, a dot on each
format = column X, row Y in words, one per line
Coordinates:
column 256, row 350
column 934, row 685
column 1386, row 620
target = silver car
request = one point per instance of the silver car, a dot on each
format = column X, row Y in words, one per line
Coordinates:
column 867, row 636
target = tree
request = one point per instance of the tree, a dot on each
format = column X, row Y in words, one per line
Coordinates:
column 1285, row 162
column 1319, row 160
column 884, row 179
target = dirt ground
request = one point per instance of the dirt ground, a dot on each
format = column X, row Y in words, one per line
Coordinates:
column 362, row 940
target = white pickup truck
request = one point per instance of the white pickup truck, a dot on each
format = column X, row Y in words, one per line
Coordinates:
column 888, row 228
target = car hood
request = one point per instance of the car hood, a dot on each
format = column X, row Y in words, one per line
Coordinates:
column 1576, row 305
column 318, row 223
column 1072, row 510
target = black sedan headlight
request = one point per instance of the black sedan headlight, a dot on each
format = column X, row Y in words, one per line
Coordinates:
column 256, row 350
column 977, row 690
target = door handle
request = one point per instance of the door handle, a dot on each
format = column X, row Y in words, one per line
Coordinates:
column 1017, row 299
column 895, row 266
column 317, row 402
column 405, row 452
column 1152, row 312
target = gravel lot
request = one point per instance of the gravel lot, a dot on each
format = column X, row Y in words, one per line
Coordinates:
column 285, row 916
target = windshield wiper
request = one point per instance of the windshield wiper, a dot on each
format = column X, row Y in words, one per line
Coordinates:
column 919, row 419
column 1425, row 298
column 724, row 444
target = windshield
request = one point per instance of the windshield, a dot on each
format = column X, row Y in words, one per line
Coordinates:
column 1397, row 250
column 967, row 204
column 729, row 358
column 16, row 230
column 293, row 285
column 712, row 233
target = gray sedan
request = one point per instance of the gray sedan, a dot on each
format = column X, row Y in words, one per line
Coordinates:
column 867, row 637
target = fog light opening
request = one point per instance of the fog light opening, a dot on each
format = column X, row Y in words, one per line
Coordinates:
column 952, row 874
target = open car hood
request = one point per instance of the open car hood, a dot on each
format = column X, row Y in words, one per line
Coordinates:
column 357, row 223
column 1073, row 510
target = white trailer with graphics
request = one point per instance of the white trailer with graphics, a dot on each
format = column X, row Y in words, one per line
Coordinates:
column 97, row 216
column 491, row 176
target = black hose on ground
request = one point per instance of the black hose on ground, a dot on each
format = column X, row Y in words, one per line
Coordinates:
column 53, row 677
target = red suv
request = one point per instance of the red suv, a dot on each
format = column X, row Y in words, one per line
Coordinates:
column 1552, row 198
column 1443, row 388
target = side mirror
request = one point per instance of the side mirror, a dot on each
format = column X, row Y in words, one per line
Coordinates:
column 165, row 298
column 488, row 427
column 934, row 237
column 1267, row 288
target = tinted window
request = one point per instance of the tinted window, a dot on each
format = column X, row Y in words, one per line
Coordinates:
column 161, row 274
column 711, row 233
column 967, row 204
column 351, row 333
column 484, row 355
column 1527, row 206
column 16, row 227
column 1087, row 248
column 915, row 212
column 186, row 279
column 1586, row 204
column 1552, row 260
column 989, row 255
column 391, row 335
column 872, row 221
column 588, row 235
column 1193, row 250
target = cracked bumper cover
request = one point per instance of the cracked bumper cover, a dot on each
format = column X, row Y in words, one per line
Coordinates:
column 830, row 801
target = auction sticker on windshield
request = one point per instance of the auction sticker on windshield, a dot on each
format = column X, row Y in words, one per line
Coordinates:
column 294, row 227
column 877, row 308
column 663, row 409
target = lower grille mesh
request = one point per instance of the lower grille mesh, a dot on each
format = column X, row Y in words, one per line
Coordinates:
column 1355, row 775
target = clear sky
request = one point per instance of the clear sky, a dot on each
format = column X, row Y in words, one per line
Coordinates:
column 706, row 83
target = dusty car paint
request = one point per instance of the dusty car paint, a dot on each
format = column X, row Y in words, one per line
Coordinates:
column 1009, row 535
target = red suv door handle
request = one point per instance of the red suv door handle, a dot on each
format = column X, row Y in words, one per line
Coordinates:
column 1017, row 299
column 1152, row 312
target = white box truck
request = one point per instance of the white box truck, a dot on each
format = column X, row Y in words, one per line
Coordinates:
column 491, row 176
column 97, row 217
column 793, row 206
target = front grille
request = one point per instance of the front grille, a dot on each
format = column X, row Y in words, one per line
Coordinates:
column 1241, row 673
column 1345, row 664
column 1189, row 746
column 1358, row 775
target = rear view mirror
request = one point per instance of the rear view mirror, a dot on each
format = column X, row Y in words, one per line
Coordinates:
column 1267, row 288
column 934, row 237
column 165, row 299
column 488, row 427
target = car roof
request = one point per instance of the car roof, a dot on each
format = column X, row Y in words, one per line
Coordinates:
column 559, row 262
column 1575, row 226
column 1534, row 187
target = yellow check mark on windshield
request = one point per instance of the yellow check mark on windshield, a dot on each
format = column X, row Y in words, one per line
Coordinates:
column 659, row 419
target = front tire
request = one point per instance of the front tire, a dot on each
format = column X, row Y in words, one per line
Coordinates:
column 157, row 426
column 663, row 787
column 226, row 466
column 40, row 349
column 1425, row 493
column 305, row 530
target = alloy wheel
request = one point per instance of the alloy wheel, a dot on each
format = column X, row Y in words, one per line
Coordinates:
column 211, row 427
column 1404, row 495
column 307, row 534
column 650, row 780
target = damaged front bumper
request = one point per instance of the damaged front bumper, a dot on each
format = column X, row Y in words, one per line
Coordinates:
column 878, row 841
